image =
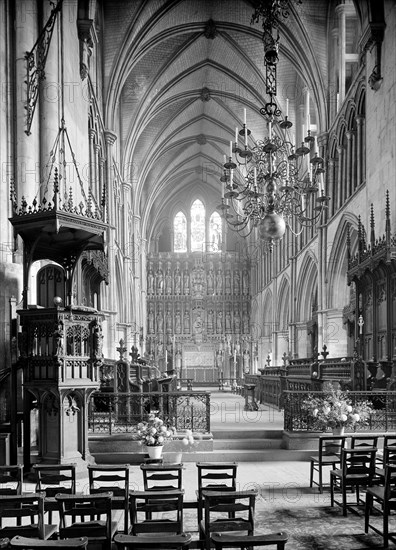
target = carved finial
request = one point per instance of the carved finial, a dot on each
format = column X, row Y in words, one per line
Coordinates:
column 387, row 219
column 372, row 226
column 13, row 197
column 56, row 188
column 121, row 349
column 348, row 240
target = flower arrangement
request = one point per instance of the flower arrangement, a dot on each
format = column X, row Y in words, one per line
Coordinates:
column 154, row 432
column 335, row 409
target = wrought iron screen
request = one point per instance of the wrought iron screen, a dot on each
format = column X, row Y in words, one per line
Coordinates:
column 382, row 419
column 121, row 412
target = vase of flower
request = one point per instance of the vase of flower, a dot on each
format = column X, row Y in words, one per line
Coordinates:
column 334, row 410
column 155, row 451
column 153, row 433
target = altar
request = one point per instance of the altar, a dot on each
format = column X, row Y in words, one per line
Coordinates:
column 199, row 363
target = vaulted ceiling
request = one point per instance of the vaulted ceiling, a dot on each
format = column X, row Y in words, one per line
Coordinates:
column 178, row 75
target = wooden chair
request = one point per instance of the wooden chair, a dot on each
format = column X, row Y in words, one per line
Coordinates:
column 385, row 497
column 329, row 455
column 25, row 543
column 357, row 470
column 388, row 458
column 219, row 506
column 25, row 507
column 361, row 440
column 216, row 476
column 72, row 507
column 54, row 479
column 11, row 479
column 152, row 504
column 221, row 541
column 114, row 478
column 162, row 477
column 150, row 542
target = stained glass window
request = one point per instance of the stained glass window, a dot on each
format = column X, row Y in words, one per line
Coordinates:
column 180, row 232
column 197, row 226
column 215, row 232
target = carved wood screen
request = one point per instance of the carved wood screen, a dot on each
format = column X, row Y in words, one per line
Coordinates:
column 373, row 271
column 199, row 300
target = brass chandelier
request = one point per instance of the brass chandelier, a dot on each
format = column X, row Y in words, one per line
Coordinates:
column 274, row 183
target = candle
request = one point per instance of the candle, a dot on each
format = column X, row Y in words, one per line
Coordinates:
column 234, row 355
column 270, row 129
column 230, row 149
column 309, row 121
column 245, row 136
column 236, row 134
column 303, row 132
column 321, row 185
column 166, row 357
column 225, row 158
column 287, row 107
column 244, row 116
column 315, row 145
column 222, row 189
column 255, row 177
column 303, row 203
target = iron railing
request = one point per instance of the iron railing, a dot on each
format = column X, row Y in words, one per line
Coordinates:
column 110, row 413
column 381, row 420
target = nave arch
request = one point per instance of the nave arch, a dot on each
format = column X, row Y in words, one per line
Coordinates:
column 283, row 319
column 339, row 321
column 306, row 306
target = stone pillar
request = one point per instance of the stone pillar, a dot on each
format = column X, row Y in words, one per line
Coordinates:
column 51, row 106
column 340, row 11
column 110, row 138
column 359, row 150
column 348, row 165
column 27, row 147
column 338, row 180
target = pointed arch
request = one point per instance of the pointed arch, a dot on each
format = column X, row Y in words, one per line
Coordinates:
column 198, row 229
column 307, row 287
column 338, row 291
column 283, row 314
column 121, row 306
column 267, row 315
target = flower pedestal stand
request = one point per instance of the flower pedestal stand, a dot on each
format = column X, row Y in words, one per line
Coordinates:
column 155, row 451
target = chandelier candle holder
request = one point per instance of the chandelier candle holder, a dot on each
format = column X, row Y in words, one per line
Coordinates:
column 272, row 184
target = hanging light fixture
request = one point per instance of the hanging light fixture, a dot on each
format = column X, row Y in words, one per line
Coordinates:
column 273, row 184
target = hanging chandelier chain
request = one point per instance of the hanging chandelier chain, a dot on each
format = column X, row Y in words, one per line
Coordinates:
column 274, row 182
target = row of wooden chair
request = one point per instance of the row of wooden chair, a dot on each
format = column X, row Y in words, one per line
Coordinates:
column 330, row 447
column 358, row 465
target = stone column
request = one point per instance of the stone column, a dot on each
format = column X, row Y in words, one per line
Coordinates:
column 110, row 138
column 359, row 150
column 27, row 147
column 338, row 181
column 340, row 11
column 51, row 101
column 348, row 165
